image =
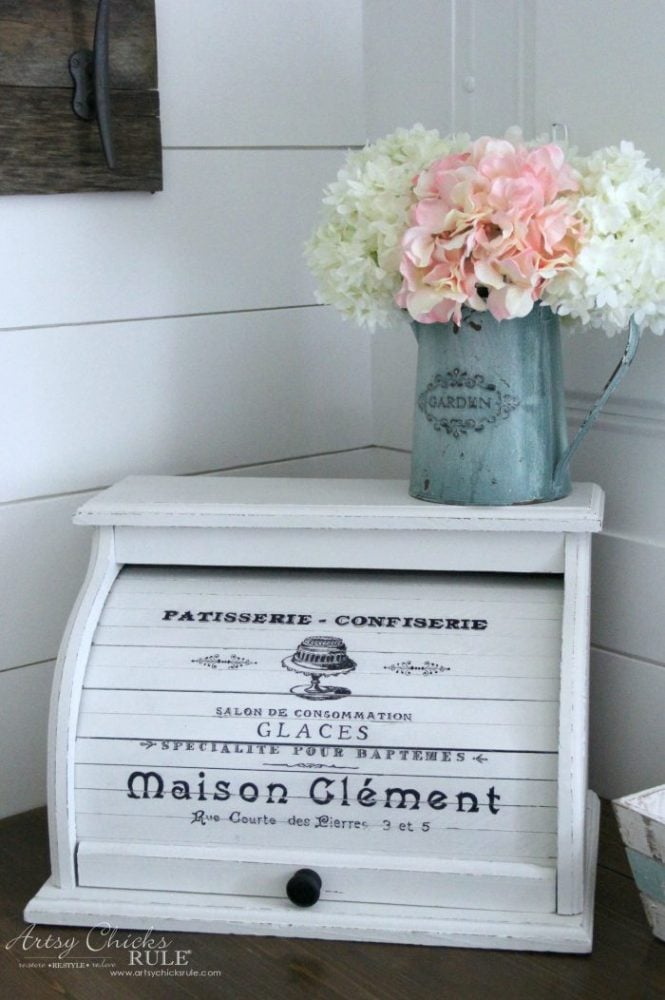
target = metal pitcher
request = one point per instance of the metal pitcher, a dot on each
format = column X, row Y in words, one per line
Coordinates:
column 490, row 419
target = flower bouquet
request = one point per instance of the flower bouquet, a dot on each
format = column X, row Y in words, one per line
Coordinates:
column 431, row 225
column 484, row 244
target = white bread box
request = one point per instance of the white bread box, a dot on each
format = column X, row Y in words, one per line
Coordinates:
column 322, row 708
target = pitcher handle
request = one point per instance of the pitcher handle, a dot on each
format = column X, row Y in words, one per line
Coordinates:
column 593, row 414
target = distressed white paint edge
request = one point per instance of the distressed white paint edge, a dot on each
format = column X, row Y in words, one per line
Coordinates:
column 357, row 880
column 641, row 819
column 539, row 873
column 655, row 914
column 155, row 501
column 647, row 803
column 574, row 722
column 66, row 695
column 359, row 548
column 186, row 912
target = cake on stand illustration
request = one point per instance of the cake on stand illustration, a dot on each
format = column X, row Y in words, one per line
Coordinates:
column 320, row 656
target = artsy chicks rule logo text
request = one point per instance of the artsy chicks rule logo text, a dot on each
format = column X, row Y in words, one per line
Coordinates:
column 96, row 946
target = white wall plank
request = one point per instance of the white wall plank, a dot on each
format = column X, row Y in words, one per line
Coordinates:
column 627, row 731
column 260, row 73
column 225, row 234
column 178, row 396
column 590, row 357
column 44, row 558
column 488, row 92
column 394, row 357
column 599, row 69
column 625, row 456
column 24, row 698
column 370, row 463
column 628, row 588
column 452, row 46
column 409, row 64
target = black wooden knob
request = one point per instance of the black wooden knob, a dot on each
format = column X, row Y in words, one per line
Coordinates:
column 304, row 888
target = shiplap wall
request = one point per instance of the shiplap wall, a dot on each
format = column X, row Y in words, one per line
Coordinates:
column 598, row 68
column 177, row 332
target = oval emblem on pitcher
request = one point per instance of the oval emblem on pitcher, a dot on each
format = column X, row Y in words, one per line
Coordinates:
column 458, row 402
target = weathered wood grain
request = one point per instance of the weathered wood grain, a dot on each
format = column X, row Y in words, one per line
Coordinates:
column 44, row 147
column 38, row 36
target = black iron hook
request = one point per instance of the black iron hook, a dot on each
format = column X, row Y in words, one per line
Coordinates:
column 90, row 72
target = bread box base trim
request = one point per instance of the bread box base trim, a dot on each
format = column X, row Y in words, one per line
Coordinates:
column 180, row 911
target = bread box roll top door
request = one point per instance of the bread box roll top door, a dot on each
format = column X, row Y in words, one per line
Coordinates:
column 396, row 732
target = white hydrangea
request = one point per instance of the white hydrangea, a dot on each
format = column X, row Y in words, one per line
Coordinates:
column 620, row 269
column 355, row 252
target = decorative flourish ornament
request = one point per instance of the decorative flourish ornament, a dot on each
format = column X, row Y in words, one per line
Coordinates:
column 437, row 401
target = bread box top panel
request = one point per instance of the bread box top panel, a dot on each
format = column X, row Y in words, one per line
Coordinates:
column 244, row 502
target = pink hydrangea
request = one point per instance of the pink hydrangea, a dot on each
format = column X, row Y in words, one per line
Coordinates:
column 489, row 228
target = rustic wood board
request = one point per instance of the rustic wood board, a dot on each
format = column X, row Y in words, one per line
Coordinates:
column 34, row 33
column 44, row 147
